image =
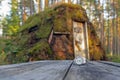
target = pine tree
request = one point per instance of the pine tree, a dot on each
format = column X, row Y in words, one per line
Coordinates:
column 46, row 3
column 69, row 1
column 13, row 21
column 39, row 6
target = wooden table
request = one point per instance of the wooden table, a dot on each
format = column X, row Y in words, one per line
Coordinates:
column 60, row 70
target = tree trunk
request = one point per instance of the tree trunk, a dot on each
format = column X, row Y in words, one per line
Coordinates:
column 69, row 1
column 39, row 6
column 117, row 30
column 31, row 7
column 63, row 1
column 108, row 35
column 24, row 15
column 102, row 26
column 115, row 42
column 81, row 2
column 46, row 3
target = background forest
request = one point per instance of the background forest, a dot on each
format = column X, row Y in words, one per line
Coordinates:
column 104, row 14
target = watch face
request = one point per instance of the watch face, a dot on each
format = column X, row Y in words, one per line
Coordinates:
column 80, row 60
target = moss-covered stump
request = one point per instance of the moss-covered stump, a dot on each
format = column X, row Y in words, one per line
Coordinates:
column 36, row 41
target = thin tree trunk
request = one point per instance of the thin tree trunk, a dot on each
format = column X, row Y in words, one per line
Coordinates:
column 78, row 1
column 39, row 7
column 113, row 28
column 118, row 38
column 102, row 26
column 117, row 31
column 21, row 11
column 81, row 2
column 31, row 7
column 69, row 1
column 90, row 10
column 46, row 3
column 51, row 2
column 63, row 1
column 99, row 15
column 108, row 39
column 24, row 15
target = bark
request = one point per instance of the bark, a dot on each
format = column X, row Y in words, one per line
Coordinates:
column 24, row 15
column 69, row 1
column 78, row 1
column 102, row 26
column 63, row 1
column 31, row 7
column 39, row 7
column 117, row 43
column 46, row 3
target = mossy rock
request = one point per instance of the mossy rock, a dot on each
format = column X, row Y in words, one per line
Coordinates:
column 32, row 37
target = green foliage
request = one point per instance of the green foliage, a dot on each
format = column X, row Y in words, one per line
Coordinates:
column 12, row 50
column 114, row 58
column 58, row 15
column 2, row 43
column 60, row 24
column 2, row 58
column 12, row 21
column 65, row 12
column 95, row 49
column 37, row 19
column 6, row 48
column 40, row 46
column 44, row 30
column 2, row 53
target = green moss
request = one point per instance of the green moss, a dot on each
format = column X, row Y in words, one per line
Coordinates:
column 35, row 42
column 44, row 30
column 59, row 16
column 71, row 6
column 40, row 46
column 60, row 24
column 113, row 58
column 2, row 43
column 21, row 56
column 68, row 11
column 37, row 19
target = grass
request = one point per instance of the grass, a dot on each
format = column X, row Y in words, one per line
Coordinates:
column 114, row 58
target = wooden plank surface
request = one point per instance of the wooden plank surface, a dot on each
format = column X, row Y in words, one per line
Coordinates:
column 94, row 71
column 56, row 70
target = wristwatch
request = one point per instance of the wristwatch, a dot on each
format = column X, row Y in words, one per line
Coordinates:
column 80, row 60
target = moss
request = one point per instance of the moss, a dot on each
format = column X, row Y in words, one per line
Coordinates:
column 37, row 19
column 2, row 58
column 60, row 24
column 71, row 6
column 2, row 44
column 40, row 46
column 30, row 24
column 95, row 49
column 59, row 18
column 44, row 30
column 59, row 14
column 21, row 56
column 113, row 58
column 68, row 11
